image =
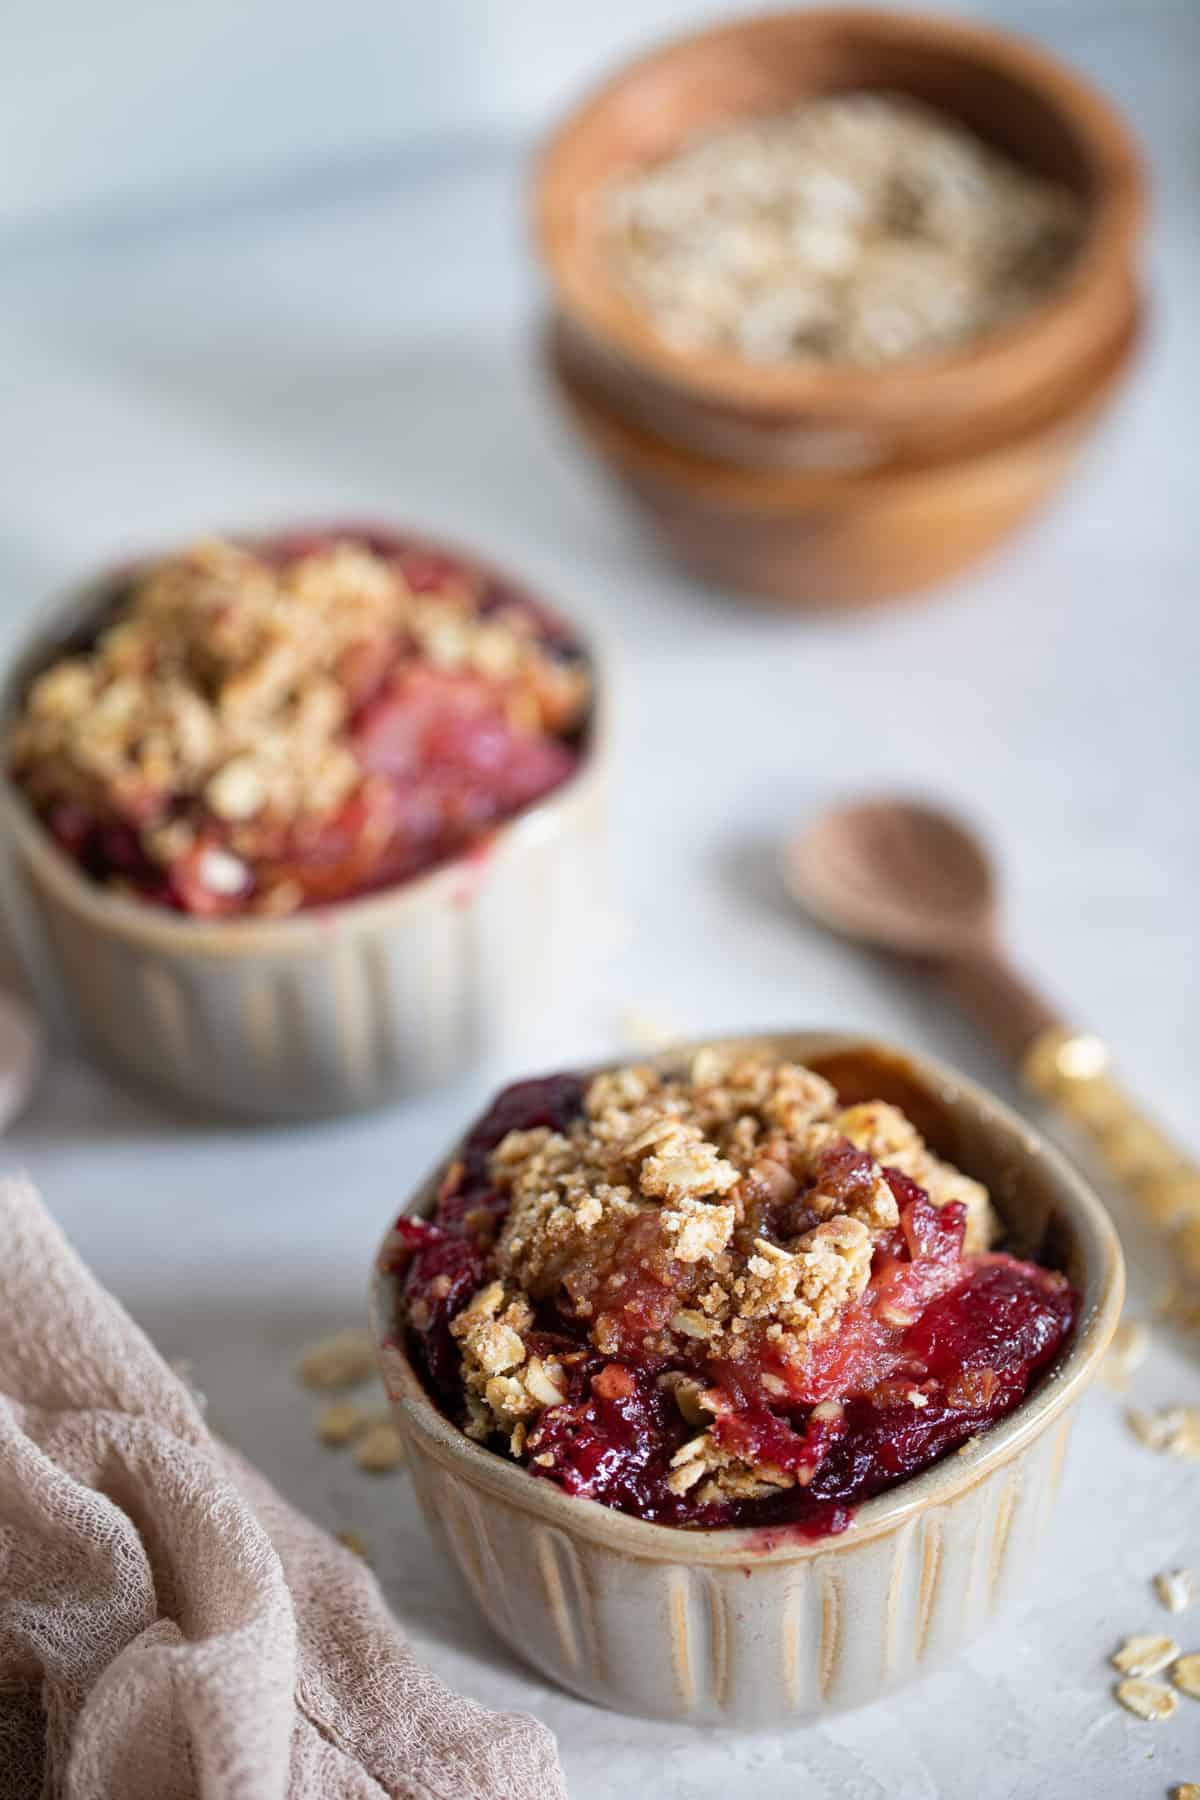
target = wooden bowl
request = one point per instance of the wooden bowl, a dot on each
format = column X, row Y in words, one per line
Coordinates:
column 839, row 540
column 784, row 416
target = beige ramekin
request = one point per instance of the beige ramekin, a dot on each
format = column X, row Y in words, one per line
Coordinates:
column 739, row 1627
column 328, row 1011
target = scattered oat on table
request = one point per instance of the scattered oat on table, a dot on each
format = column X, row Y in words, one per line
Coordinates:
column 1131, row 1341
column 379, row 1449
column 1172, row 1430
column 1148, row 1699
column 1144, row 1654
column 1186, row 1790
column 341, row 1361
column 1176, row 1589
column 342, row 1421
column 1186, row 1675
column 355, row 1542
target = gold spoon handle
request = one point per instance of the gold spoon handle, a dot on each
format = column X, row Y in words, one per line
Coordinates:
column 1069, row 1070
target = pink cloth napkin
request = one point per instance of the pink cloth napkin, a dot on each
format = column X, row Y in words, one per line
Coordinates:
column 169, row 1628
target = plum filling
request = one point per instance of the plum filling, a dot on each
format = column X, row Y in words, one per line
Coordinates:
column 600, row 1386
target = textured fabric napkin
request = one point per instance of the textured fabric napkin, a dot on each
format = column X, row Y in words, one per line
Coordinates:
column 169, row 1628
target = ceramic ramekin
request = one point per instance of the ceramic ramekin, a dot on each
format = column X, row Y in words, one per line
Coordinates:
column 747, row 1628
column 330, row 1010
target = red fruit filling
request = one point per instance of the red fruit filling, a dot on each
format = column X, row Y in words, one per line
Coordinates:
column 935, row 1348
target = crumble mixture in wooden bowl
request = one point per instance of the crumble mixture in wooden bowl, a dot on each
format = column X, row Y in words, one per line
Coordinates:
column 858, row 228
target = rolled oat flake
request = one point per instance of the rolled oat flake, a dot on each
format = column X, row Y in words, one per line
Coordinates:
column 857, row 228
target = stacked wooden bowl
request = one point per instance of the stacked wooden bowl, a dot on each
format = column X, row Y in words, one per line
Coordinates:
column 822, row 485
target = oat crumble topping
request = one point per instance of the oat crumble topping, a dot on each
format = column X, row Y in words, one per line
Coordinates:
column 243, row 716
column 683, row 1170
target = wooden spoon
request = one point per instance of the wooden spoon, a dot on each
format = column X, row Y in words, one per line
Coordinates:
column 908, row 878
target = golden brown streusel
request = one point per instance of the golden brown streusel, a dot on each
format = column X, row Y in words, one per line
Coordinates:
column 648, row 1214
column 806, row 1288
column 505, row 1386
column 887, row 1135
column 217, row 679
column 717, row 1474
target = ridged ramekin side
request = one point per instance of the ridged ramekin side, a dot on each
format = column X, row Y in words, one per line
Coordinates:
column 331, row 1012
column 755, row 1643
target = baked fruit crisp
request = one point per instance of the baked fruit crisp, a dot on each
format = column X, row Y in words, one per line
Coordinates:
column 720, row 1297
column 259, row 730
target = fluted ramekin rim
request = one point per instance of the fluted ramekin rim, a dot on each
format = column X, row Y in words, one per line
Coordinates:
column 511, row 1484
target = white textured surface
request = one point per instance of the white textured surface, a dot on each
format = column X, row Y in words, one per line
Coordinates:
column 137, row 100
column 370, row 351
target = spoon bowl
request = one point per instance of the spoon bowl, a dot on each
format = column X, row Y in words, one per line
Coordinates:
column 909, row 878
column 895, row 873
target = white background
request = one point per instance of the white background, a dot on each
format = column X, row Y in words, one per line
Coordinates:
column 266, row 262
column 155, row 100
